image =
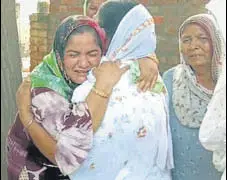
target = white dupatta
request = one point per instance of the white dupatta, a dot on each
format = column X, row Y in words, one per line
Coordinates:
column 135, row 38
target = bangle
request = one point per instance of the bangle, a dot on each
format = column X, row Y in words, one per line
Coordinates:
column 100, row 93
column 29, row 124
column 154, row 58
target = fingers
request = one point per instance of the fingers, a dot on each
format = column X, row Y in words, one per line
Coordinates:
column 141, row 85
column 146, row 86
column 153, row 82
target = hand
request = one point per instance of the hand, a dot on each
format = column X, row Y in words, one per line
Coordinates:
column 23, row 100
column 149, row 74
column 108, row 74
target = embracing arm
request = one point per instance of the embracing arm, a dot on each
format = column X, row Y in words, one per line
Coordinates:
column 36, row 132
column 149, row 72
column 45, row 142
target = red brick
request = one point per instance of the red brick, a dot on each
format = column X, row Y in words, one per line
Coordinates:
column 43, row 49
column 63, row 8
column 158, row 20
column 40, row 17
column 163, row 2
column 54, row 8
column 38, row 41
column 33, row 48
column 38, row 25
column 144, row 2
column 67, row 2
column 75, row 9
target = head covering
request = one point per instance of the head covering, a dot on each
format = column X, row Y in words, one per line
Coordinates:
column 50, row 74
column 134, row 38
column 190, row 99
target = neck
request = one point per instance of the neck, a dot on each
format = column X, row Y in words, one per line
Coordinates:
column 204, row 78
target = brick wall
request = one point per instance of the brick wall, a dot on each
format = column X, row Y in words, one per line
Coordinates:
column 43, row 26
column 168, row 15
column 38, row 37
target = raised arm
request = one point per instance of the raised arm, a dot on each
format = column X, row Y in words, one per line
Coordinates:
column 149, row 72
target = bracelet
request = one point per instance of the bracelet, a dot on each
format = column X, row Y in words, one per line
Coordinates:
column 154, row 58
column 29, row 124
column 100, row 93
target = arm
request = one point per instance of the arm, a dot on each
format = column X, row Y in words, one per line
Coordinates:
column 149, row 72
column 36, row 132
column 107, row 75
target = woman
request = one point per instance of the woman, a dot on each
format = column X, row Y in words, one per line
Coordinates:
column 190, row 85
column 212, row 134
column 48, row 147
column 149, row 69
column 70, row 125
column 91, row 7
column 134, row 134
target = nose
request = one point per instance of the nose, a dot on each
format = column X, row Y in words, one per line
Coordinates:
column 194, row 44
column 84, row 63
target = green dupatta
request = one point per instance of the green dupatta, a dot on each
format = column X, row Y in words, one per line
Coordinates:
column 48, row 75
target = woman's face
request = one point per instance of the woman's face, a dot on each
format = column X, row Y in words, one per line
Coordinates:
column 196, row 46
column 82, row 53
column 93, row 7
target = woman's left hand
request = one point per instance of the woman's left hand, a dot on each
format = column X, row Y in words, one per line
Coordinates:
column 148, row 74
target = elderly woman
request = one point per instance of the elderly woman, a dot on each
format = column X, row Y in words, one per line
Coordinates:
column 62, row 131
column 190, row 85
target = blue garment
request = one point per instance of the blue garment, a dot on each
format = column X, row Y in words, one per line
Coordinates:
column 191, row 160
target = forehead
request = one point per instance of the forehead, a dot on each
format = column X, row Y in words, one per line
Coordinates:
column 194, row 29
column 86, row 38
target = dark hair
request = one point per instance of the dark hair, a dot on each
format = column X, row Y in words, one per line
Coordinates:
column 86, row 29
column 112, row 12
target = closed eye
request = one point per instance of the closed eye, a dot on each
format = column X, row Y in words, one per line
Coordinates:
column 186, row 40
column 72, row 54
column 93, row 54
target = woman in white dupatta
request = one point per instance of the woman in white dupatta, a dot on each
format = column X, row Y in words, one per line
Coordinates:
column 134, row 140
column 212, row 133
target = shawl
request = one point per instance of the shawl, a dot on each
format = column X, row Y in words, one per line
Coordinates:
column 190, row 99
column 132, row 40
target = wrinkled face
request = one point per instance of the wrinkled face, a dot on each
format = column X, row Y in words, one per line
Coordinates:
column 82, row 53
column 93, row 7
column 196, row 46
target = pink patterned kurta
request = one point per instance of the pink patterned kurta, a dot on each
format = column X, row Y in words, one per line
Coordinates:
column 69, row 124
